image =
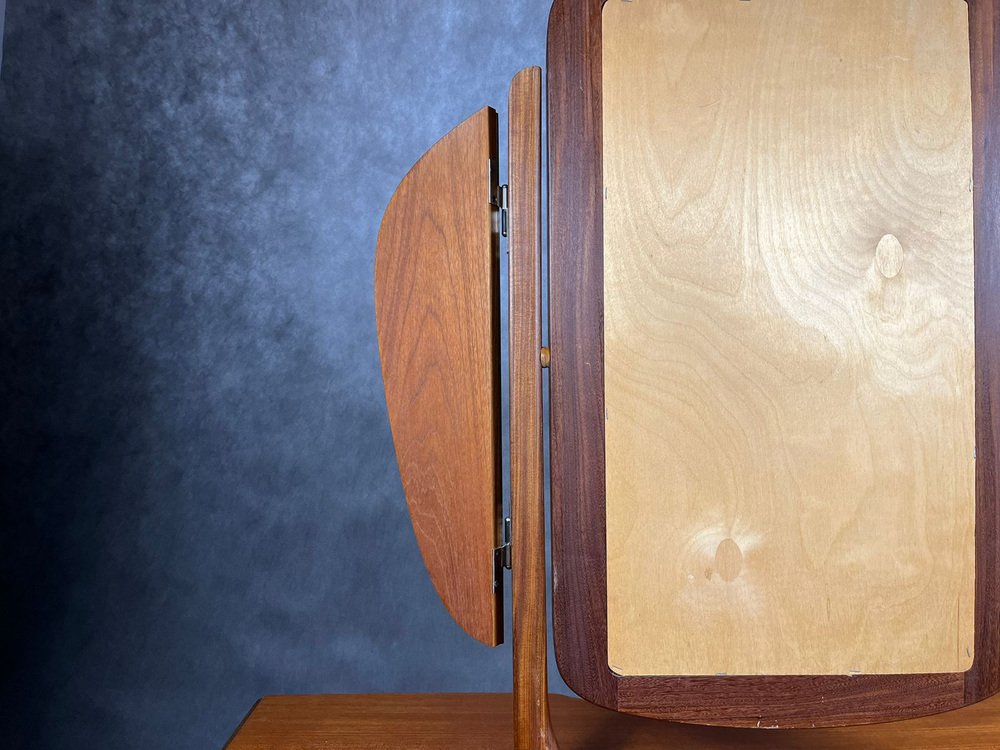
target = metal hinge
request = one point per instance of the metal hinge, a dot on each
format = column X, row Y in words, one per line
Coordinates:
column 502, row 557
column 503, row 203
column 500, row 199
column 503, row 554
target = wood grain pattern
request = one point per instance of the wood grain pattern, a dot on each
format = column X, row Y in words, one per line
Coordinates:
column 789, row 339
column 984, row 20
column 577, row 418
column 576, row 338
column 532, row 728
column 445, row 722
column 437, row 313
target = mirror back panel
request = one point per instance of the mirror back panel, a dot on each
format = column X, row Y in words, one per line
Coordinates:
column 789, row 337
column 774, row 307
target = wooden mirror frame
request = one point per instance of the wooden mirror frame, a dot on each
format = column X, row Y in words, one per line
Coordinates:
column 576, row 315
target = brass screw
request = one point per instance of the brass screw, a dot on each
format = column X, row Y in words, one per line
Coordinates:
column 545, row 357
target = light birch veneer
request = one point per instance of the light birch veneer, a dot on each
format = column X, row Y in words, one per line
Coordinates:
column 789, row 336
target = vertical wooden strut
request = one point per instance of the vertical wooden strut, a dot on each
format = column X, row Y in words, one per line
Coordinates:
column 532, row 728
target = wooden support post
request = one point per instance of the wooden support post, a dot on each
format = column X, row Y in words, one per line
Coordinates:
column 532, row 728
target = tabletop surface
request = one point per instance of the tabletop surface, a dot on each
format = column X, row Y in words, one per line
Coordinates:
column 474, row 720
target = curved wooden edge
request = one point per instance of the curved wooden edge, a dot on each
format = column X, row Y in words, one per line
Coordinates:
column 532, row 727
column 577, row 427
column 983, row 679
column 576, row 335
column 437, row 315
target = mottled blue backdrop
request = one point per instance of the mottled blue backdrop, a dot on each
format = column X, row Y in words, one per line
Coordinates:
column 200, row 499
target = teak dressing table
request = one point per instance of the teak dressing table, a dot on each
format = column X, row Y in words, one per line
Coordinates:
column 774, row 383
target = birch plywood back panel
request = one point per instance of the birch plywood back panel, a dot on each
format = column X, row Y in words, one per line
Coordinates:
column 789, row 337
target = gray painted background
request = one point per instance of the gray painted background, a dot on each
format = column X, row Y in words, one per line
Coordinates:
column 200, row 499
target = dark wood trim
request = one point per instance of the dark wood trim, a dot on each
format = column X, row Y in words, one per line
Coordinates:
column 576, row 341
column 532, row 727
column 983, row 679
column 577, row 426
column 498, row 515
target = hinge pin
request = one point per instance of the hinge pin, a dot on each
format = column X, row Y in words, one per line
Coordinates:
column 502, row 556
column 507, row 556
column 503, row 203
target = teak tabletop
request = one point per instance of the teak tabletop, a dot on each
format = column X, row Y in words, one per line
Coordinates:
column 449, row 721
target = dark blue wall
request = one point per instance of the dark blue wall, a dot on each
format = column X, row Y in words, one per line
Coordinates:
column 200, row 499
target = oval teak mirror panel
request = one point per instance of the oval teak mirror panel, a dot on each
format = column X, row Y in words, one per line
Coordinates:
column 437, row 314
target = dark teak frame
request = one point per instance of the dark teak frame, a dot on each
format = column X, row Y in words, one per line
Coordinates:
column 576, row 317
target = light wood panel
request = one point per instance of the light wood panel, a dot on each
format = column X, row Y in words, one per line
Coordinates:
column 445, row 722
column 437, row 314
column 789, row 340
